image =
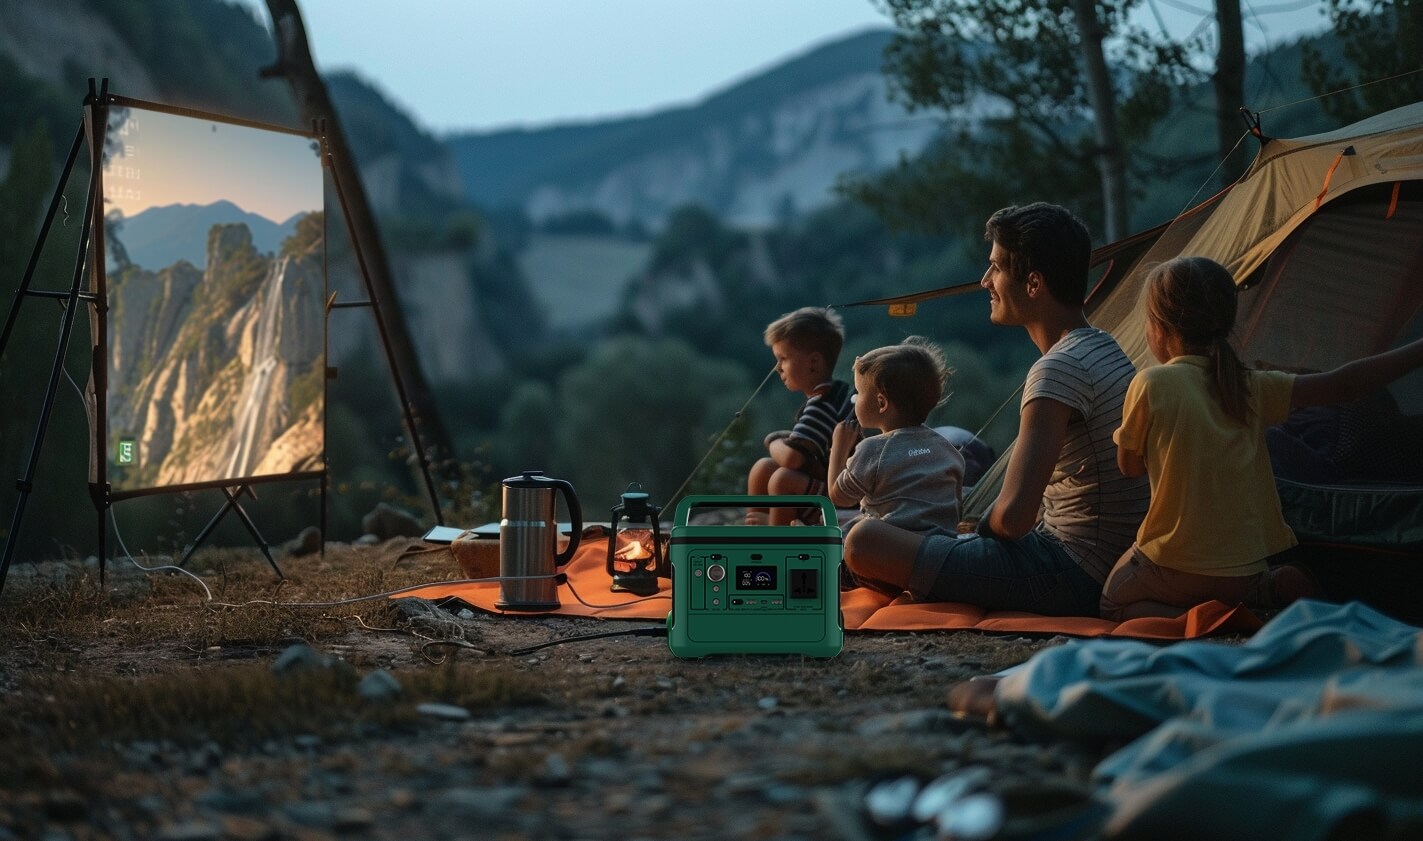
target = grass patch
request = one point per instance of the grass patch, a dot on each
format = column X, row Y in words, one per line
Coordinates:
column 832, row 767
column 61, row 605
column 147, row 656
column 239, row 706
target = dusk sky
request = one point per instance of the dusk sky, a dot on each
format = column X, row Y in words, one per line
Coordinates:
column 483, row 64
column 179, row 160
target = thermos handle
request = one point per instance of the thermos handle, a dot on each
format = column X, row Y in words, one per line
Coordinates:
column 575, row 514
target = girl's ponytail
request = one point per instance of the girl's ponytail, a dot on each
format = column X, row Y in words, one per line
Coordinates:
column 1229, row 376
column 1194, row 298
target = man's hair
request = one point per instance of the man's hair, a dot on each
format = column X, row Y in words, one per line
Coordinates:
column 912, row 374
column 1046, row 239
column 810, row 329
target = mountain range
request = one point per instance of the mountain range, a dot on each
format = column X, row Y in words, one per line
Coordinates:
column 760, row 150
column 161, row 236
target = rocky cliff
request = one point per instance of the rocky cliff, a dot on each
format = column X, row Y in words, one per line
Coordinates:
column 211, row 369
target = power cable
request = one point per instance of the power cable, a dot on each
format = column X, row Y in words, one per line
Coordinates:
column 656, row 631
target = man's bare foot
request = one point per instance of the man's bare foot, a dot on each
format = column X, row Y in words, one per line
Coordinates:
column 974, row 699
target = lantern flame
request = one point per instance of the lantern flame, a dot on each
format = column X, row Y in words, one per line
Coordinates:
column 632, row 551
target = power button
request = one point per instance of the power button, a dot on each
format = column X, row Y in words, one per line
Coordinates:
column 716, row 572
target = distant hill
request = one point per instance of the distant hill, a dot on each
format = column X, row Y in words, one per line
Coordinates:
column 760, row 150
column 161, row 236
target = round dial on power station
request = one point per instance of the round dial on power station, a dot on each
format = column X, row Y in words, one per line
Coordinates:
column 716, row 572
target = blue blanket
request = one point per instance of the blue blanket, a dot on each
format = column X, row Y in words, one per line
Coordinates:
column 1314, row 724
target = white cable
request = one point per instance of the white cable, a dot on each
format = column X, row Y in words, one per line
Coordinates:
column 390, row 593
column 115, row 520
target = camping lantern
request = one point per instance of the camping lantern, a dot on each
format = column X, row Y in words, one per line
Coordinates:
column 635, row 557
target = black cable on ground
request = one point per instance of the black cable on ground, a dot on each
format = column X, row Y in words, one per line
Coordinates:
column 658, row 631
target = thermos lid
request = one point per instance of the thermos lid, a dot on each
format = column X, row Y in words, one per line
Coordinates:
column 528, row 479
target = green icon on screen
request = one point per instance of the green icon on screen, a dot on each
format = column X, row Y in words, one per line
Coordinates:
column 127, row 449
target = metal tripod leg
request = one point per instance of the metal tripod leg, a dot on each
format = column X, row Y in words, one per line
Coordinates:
column 233, row 505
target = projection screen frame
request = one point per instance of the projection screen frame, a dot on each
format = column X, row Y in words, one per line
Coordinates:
column 97, row 127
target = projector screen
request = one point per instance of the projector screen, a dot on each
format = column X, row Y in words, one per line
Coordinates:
column 215, row 264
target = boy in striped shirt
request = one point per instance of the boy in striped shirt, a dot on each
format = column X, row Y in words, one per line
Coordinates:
column 806, row 344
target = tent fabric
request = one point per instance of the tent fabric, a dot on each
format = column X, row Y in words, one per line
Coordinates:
column 1355, row 266
column 862, row 609
column 1315, row 721
column 1367, row 515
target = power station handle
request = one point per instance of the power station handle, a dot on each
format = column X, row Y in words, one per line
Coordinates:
column 684, row 508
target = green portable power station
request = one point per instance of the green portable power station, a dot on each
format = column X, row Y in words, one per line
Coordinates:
column 744, row 589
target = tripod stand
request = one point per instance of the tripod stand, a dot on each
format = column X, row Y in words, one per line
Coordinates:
column 232, row 505
column 69, row 300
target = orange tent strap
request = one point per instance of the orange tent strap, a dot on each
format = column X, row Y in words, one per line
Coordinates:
column 1328, row 176
column 1393, row 202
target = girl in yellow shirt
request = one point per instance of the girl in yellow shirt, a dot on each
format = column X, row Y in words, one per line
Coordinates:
column 1195, row 425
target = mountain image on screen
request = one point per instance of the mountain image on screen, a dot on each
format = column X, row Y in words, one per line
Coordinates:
column 161, row 236
column 216, row 371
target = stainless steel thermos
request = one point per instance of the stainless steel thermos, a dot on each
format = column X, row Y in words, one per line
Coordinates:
column 528, row 540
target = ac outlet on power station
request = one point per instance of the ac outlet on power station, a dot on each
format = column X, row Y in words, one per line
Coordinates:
column 805, row 583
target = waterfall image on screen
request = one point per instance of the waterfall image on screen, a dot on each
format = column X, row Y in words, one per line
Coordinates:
column 214, row 256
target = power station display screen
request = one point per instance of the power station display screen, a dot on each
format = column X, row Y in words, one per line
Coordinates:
column 756, row 577
column 215, row 258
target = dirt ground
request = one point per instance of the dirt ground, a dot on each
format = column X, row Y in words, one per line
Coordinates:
column 599, row 738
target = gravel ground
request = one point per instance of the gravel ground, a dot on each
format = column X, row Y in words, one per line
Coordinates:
column 622, row 740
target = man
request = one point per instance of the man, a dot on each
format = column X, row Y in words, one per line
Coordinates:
column 1065, row 512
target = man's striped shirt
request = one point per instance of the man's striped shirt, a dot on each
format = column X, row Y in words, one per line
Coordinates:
column 1088, row 504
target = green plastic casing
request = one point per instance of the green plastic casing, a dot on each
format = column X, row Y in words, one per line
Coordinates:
column 755, row 589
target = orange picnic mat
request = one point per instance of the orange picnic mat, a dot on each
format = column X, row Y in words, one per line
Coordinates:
column 587, row 593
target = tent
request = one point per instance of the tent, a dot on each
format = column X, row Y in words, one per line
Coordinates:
column 1324, row 236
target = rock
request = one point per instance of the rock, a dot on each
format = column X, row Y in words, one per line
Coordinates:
column 230, row 800
column 353, row 819
column 477, row 803
column 619, row 683
column 366, row 540
column 379, row 686
column 403, row 798
column 62, row 805
column 247, row 829
column 317, row 815
column 783, row 795
column 555, row 772
column 386, row 521
column 307, row 742
column 205, row 758
column 977, row 817
column 300, row 658
column 443, row 712
column 913, row 721
column 308, row 542
column 768, row 703
column 190, row 831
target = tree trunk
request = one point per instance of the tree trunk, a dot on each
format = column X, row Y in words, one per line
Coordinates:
column 294, row 63
column 1229, row 83
column 1111, row 159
